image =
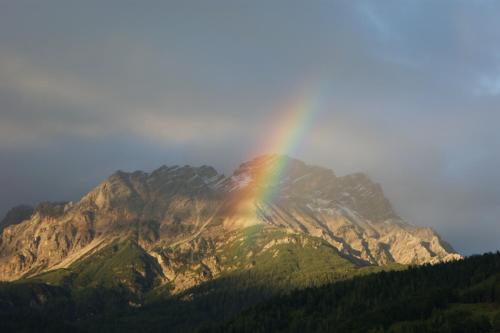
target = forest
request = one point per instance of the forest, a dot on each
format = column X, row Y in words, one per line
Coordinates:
column 460, row 296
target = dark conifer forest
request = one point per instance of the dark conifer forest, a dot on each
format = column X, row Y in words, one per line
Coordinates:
column 460, row 296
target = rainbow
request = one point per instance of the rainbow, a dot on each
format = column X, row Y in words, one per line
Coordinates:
column 295, row 122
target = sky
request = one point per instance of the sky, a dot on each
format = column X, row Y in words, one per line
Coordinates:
column 410, row 95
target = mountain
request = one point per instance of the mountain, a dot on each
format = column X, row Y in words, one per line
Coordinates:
column 178, row 212
column 182, row 246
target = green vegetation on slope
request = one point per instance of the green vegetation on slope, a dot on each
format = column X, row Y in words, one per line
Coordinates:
column 461, row 296
column 276, row 293
column 35, row 307
column 287, row 261
column 117, row 288
column 263, row 262
column 122, row 265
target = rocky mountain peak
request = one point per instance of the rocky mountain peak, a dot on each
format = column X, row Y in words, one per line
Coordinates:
column 279, row 171
column 181, row 206
column 268, row 163
column 313, row 184
column 51, row 209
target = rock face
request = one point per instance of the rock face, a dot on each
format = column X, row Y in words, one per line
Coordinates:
column 16, row 215
column 184, row 219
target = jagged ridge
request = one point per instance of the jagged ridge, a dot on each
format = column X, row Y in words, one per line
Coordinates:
column 183, row 218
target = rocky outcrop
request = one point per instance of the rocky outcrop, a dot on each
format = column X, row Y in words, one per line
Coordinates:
column 16, row 215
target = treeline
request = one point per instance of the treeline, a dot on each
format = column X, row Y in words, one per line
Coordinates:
column 461, row 296
column 39, row 307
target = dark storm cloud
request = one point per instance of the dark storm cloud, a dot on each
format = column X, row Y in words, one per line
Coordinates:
column 412, row 98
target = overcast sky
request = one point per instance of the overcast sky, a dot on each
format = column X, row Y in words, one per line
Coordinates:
column 412, row 97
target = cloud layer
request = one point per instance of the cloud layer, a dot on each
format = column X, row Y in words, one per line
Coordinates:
column 412, row 98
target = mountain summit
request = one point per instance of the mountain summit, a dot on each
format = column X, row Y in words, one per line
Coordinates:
column 181, row 225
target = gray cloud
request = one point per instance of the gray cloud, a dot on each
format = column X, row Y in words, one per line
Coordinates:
column 412, row 96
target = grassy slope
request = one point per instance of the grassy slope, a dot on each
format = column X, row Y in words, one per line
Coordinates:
column 96, row 290
column 256, row 274
column 120, row 265
column 293, row 260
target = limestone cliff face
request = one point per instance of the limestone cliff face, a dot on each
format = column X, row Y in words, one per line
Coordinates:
column 350, row 212
column 183, row 218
